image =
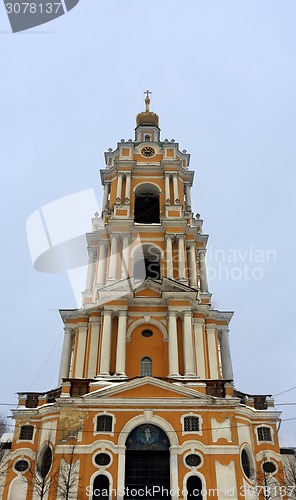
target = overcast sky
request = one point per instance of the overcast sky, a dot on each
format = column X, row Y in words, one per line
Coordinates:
column 223, row 78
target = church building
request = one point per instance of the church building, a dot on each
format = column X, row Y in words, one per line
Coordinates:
column 145, row 405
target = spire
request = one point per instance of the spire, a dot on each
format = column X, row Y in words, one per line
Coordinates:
column 147, row 100
column 147, row 117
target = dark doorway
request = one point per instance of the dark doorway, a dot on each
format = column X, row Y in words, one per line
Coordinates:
column 147, row 208
column 101, row 488
column 147, row 263
column 147, row 469
column 194, row 488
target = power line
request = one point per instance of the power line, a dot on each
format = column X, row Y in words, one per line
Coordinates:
column 284, row 392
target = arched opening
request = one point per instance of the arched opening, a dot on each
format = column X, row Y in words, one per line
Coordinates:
column 194, row 488
column 101, row 487
column 147, row 263
column 146, row 367
column 147, row 465
column 147, row 204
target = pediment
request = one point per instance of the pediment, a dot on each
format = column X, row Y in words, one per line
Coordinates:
column 165, row 285
column 147, row 388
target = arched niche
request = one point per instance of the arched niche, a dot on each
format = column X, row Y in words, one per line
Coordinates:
column 147, row 207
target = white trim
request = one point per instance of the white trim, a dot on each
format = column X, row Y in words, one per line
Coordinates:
column 98, row 452
column 152, row 419
column 259, row 441
column 143, row 322
column 101, row 473
column 203, row 483
column 200, row 422
column 148, row 183
column 104, row 413
column 247, row 448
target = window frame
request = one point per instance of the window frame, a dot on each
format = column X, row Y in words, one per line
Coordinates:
column 200, row 422
column 271, row 430
column 20, row 439
column 151, row 366
column 104, row 414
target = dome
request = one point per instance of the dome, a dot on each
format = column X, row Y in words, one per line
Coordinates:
column 147, row 117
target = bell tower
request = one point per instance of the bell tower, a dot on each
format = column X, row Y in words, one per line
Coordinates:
column 147, row 271
column 145, row 405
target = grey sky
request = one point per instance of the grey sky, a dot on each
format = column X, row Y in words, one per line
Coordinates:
column 223, row 77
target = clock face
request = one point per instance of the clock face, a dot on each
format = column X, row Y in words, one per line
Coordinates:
column 147, row 151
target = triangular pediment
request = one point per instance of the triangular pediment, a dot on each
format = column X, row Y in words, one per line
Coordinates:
column 147, row 388
column 165, row 285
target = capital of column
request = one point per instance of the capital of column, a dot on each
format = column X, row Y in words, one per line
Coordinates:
column 95, row 321
column 211, row 328
column 82, row 327
column 107, row 313
column 187, row 314
column 68, row 329
column 198, row 321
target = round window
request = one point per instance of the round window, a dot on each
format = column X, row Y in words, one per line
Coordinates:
column 21, row 465
column 147, row 333
column 269, row 467
column 102, row 459
column 193, row 460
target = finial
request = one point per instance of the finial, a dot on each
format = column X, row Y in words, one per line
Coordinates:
column 147, row 100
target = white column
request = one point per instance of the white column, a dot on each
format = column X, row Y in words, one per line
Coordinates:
column 181, row 254
column 174, row 483
column 106, row 343
column 125, row 256
column 94, row 347
column 173, row 345
column 198, row 325
column 176, row 189
column 91, row 268
column 106, row 196
column 81, row 347
column 119, row 187
column 227, row 371
column 113, row 257
column 192, row 264
column 187, row 196
column 66, row 355
column 188, row 344
column 167, row 189
column 213, row 351
column 102, row 263
column 127, row 187
column 121, row 472
column 203, row 272
column 169, row 256
column 121, row 343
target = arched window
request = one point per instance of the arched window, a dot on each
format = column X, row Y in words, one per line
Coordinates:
column 146, row 367
column 147, row 204
column 104, row 423
column 194, row 488
column 147, row 137
column 147, row 263
column 101, row 487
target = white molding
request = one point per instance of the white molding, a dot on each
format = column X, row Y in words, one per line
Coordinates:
column 142, row 321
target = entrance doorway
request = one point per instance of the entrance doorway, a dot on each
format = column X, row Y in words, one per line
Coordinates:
column 147, row 466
